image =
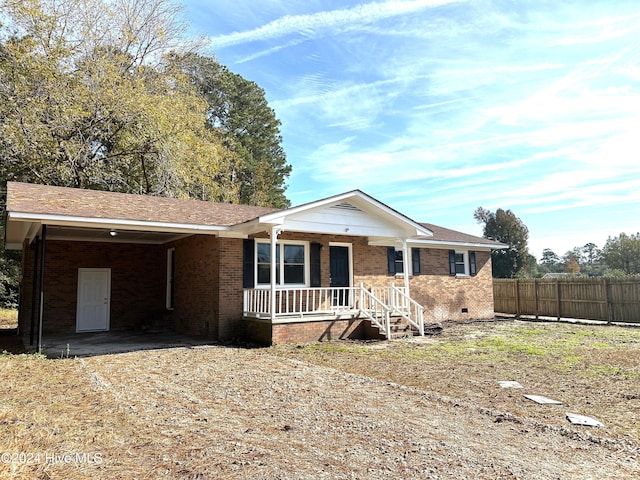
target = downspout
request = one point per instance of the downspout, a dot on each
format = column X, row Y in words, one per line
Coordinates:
column 275, row 231
column 34, row 291
column 42, row 251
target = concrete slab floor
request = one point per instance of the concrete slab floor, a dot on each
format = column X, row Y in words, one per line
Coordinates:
column 102, row 343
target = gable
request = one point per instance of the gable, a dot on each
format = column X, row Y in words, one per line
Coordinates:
column 352, row 213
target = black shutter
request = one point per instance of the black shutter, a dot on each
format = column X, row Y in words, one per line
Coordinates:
column 316, row 271
column 472, row 262
column 391, row 260
column 452, row 262
column 248, row 254
column 415, row 258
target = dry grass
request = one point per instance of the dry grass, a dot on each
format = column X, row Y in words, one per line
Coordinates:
column 8, row 318
column 214, row 412
column 593, row 370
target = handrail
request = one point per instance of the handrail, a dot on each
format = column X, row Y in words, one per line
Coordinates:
column 382, row 309
column 419, row 309
column 377, row 304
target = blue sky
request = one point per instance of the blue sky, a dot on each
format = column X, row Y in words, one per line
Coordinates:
column 437, row 107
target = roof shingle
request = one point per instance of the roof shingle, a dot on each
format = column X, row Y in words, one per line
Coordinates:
column 76, row 202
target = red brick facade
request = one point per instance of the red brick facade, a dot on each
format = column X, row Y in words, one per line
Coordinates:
column 137, row 284
column 208, row 289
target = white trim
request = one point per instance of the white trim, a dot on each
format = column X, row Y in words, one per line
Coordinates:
column 74, row 221
column 361, row 200
column 350, row 247
column 467, row 266
column 108, row 299
column 170, row 290
column 450, row 245
column 279, row 245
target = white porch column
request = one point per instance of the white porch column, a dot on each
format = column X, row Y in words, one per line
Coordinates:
column 406, row 260
column 275, row 231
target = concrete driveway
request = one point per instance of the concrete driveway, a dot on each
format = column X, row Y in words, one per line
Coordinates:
column 100, row 343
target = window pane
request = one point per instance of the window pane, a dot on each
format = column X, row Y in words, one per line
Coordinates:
column 460, row 266
column 294, row 254
column 399, row 262
column 293, row 274
column 264, row 273
column 264, row 253
column 293, row 264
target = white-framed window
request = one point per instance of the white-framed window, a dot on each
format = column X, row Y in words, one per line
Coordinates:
column 292, row 263
column 399, row 263
column 171, row 255
column 462, row 262
column 396, row 263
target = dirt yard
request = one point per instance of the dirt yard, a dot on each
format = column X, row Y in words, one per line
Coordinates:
column 428, row 408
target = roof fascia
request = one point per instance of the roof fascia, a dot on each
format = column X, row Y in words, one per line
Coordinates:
column 92, row 222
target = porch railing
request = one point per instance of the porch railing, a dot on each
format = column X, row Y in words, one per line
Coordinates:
column 377, row 304
column 300, row 301
column 407, row 307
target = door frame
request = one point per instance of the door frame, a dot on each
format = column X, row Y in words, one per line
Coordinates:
column 350, row 250
column 108, row 320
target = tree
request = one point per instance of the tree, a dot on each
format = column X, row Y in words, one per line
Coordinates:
column 82, row 105
column 505, row 227
column 550, row 261
column 238, row 109
column 623, row 253
column 571, row 264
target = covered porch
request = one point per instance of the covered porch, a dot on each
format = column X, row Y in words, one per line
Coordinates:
column 377, row 305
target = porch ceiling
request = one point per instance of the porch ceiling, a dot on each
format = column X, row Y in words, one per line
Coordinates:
column 110, row 235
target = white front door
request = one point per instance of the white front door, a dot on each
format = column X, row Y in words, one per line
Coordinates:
column 94, row 292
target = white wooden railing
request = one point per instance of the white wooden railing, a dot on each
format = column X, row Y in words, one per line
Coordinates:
column 377, row 303
column 407, row 307
column 375, row 310
column 300, row 301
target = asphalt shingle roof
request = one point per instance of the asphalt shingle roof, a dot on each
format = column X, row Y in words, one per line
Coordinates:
column 76, row 202
column 448, row 235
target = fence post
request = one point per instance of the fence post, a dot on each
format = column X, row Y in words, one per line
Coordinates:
column 517, row 298
column 558, row 299
column 535, row 294
column 605, row 288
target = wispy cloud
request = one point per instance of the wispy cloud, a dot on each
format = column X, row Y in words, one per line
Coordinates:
column 307, row 24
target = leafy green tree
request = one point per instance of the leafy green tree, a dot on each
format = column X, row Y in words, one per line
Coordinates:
column 505, row 227
column 550, row 262
column 622, row 253
column 237, row 107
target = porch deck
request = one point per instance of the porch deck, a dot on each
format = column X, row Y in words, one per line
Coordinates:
column 376, row 304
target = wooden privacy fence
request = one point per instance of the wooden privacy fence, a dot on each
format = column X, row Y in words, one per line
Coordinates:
column 609, row 300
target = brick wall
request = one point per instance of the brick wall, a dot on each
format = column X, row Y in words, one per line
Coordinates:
column 265, row 333
column 195, row 285
column 230, row 289
column 137, row 284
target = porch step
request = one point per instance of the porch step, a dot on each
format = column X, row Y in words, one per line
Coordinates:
column 401, row 329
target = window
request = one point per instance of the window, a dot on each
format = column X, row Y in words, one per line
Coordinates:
column 461, row 265
column 462, row 262
column 395, row 261
column 171, row 255
column 399, row 266
column 291, row 263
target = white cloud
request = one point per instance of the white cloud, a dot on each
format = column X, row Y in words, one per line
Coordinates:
column 307, row 24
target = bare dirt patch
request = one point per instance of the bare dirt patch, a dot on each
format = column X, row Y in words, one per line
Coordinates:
column 218, row 412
